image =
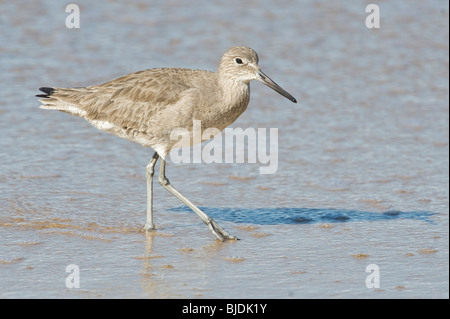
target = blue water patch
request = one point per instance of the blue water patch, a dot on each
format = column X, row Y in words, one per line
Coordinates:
column 293, row 215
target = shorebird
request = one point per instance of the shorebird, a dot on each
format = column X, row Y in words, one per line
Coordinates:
column 146, row 106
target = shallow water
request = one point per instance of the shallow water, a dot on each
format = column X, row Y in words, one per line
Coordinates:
column 363, row 158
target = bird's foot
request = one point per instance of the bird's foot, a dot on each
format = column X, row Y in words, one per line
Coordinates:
column 219, row 232
column 149, row 227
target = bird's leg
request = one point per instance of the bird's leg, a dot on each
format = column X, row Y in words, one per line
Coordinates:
column 218, row 231
column 149, row 172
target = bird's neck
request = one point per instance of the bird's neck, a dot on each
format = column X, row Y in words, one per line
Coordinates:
column 234, row 93
column 235, row 97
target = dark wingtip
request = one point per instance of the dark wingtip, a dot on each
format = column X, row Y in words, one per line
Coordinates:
column 47, row 90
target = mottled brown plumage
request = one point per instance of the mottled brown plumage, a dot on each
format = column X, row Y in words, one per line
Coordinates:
column 146, row 106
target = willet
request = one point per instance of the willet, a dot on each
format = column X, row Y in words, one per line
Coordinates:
column 146, row 106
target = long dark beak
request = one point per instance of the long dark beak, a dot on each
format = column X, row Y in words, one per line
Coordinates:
column 268, row 81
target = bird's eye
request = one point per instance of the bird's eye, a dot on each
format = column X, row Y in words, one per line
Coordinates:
column 238, row 61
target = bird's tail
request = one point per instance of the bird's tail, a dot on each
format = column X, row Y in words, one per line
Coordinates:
column 61, row 99
column 47, row 90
